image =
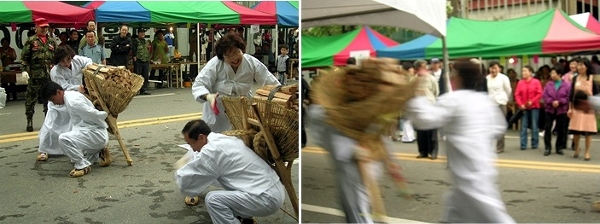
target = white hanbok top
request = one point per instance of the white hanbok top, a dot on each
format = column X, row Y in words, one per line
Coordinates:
column 471, row 121
column 217, row 76
column 70, row 78
column 227, row 160
column 84, row 116
column 57, row 120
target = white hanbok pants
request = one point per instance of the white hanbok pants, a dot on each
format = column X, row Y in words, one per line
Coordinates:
column 224, row 206
column 82, row 146
column 56, row 122
column 408, row 132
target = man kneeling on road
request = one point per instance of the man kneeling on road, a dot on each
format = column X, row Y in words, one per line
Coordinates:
column 252, row 188
column 88, row 135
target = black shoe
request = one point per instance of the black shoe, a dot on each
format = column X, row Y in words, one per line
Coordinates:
column 421, row 157
column 560, row 152
column 250, row 220
column 145, row 93
column 547, row 152
column 29, row 125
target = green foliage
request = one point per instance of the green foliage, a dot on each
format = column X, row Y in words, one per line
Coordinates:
column 321, row 31
column 397, row 34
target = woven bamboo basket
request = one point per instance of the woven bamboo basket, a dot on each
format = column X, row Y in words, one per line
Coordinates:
column 116, row 95
column 282, row 123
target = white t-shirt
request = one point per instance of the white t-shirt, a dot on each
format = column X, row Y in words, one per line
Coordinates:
column 437, row 74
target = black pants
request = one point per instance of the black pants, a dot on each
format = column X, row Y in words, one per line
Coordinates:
column 141, row 68
column 161, row 76
column 11, row 90
column 427, row 141
column 561, row 130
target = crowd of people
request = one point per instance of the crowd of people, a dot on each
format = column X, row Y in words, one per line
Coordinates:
column 540, row 103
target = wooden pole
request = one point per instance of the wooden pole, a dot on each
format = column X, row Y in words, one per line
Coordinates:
column 110, row 120
column 280, row 167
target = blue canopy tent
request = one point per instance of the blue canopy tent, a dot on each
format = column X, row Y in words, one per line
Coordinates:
column 413, row 49
column 119, row 11
column 286, row 11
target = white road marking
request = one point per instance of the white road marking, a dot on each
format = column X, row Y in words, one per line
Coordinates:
column 336, row 212
column 148, row 96
column 5, row 113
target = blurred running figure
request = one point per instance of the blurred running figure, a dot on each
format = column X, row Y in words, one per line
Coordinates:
column 471, row 122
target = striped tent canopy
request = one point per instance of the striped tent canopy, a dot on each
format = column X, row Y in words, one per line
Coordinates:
column 335, row 50
column 57, row 13
column 549, row 32
column 286, row 11
column 222, row 12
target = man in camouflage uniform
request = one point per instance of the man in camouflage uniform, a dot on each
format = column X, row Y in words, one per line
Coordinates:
column 36, row 59
column 141, row 58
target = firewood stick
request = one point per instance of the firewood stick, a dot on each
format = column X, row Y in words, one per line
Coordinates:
column 277, row 95
column 276, row 100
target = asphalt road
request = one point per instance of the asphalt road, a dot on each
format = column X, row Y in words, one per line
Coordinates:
column 535, row 188
column 42, row 192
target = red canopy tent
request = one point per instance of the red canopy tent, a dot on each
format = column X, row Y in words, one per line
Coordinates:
column 57, row 13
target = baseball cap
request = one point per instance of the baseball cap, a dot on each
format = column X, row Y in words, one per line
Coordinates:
column 41, row 22
column 141, row 30
column 435, row 60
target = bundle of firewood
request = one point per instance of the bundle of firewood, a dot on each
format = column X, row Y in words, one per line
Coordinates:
column 286, row 95
column 115, row 85
column 120, row 76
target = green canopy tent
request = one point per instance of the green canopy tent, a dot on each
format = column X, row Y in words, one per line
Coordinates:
column 549, row 32
column 335, row 50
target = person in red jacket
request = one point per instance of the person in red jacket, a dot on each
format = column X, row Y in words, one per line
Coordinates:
column 527, row 97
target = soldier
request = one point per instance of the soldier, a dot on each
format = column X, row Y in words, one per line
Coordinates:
column 141, row 58
column 36, row 59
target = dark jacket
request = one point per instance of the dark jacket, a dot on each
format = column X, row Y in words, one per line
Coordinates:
column 561, row 95
column 120, row 49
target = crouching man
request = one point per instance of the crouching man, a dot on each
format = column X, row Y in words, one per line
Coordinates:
column 88, row 135
column 252, row 188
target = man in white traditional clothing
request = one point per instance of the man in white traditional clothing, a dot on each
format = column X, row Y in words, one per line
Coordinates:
column 231, row 73
column 88, row 135
column 252, row 188
column 471, row 122
column 68, row 74
column 354, row 198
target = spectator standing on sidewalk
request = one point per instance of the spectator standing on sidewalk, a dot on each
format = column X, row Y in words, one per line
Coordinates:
column 499, row 90
column 427, row 139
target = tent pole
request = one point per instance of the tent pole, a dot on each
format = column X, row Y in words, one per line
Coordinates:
column 198, row 55
column 276, row 35
column 446, row 65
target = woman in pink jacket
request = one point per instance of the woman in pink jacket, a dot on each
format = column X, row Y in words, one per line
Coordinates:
column 583, row 123
column 527, row 98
